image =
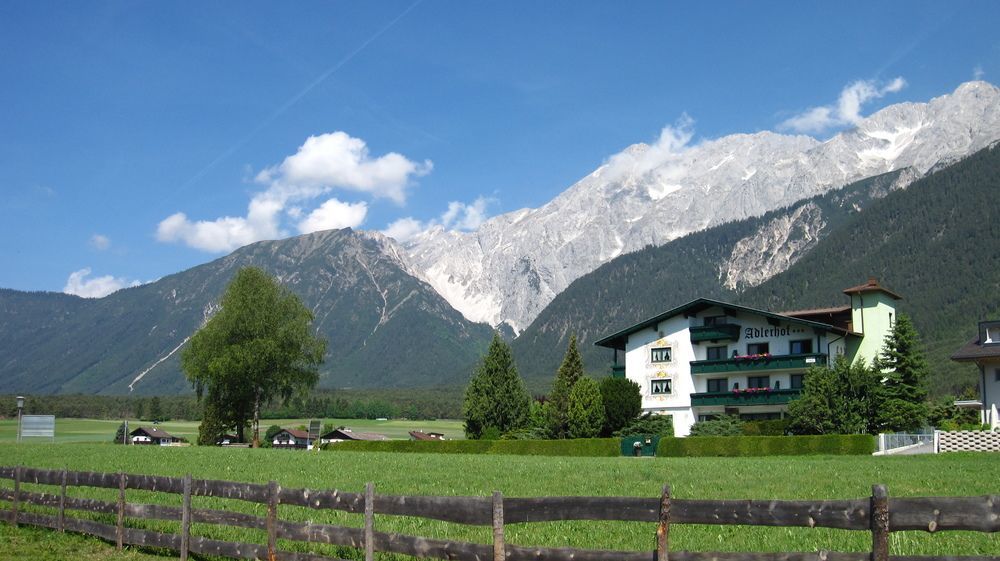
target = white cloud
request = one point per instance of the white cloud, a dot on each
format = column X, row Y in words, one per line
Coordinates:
column 338, row 160
column 334, row 214
column 100, row 242
column 845, row 112
column 322, row 164
column 978, row 73
column 664, row 155
column 97, row 287
column 458, row 216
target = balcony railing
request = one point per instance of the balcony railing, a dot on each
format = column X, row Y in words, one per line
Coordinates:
column 755, row 396
column 758, row 363
column 718, row 332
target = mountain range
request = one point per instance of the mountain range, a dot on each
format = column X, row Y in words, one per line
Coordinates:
column 764, row 218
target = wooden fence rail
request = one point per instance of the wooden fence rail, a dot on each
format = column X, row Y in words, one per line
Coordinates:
column 878, row 514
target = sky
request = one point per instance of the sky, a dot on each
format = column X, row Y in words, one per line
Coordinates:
column 139, row 139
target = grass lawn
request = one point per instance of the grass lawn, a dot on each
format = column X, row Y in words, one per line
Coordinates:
column 809, row 477
column 96, row 430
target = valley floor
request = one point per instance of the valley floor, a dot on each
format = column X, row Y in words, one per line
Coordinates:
column 431, row 474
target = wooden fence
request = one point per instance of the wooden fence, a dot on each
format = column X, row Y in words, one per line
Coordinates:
column 877, row 514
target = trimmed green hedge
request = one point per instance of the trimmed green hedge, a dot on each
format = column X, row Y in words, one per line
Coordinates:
column 836, row 444
column 600, row 447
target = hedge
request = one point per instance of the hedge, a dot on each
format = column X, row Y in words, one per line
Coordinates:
column 836, row 444
column 604, row 447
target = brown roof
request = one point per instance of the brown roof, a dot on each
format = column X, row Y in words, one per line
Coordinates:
column 153, row 432
column 297, row 433
column 348, row 434
column 974, row 350
column 817, row 311
column 420, row 435
column 872, row 286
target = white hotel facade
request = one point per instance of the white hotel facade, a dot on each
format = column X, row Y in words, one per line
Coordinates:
column 708, row 358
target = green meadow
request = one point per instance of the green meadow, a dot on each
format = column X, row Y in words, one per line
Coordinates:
column 97, row 430
column 809, row 477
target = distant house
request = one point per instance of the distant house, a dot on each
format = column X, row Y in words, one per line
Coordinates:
column 291, row 438
column 984, row 351
column 153, row 436
column 341, row 435
column 420, row 435
column 228, row 439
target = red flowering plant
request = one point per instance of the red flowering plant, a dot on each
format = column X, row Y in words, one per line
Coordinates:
column 762, row 356
column 748, row 391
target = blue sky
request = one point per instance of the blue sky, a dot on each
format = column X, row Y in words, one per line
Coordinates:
column 138, row 139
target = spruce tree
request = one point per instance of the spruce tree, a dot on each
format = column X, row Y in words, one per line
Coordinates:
column 904, row 372
column 496, row 400
column 585, row 413
column 622, row 403
column 570, row 371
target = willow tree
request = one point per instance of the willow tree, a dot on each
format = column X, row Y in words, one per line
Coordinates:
column 259, row 347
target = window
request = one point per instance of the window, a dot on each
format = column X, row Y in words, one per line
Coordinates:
column 759, row 382
column 715, row 353
column 801, row 347
column 996, row 374
column 661, row 354
column 702, row 418
column 797, row 381
column 660, row 386
column 718, row 384
column 758, row 348
column 715, row 320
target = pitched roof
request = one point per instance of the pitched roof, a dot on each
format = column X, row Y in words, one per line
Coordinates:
column 617, row 340
column 152, row 432
column 872, row 286
column 348, row 434
column 420, row 435
column 974, row 350
column 296, row 433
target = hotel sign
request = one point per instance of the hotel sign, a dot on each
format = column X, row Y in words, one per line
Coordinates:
column 768, row 332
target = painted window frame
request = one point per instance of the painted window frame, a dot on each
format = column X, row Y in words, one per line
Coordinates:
column 667, row 382
column 669, row 355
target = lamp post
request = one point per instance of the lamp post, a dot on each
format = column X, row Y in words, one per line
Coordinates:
column 20, row 407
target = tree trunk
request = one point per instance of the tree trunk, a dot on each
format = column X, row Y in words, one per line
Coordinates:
column 256, row 420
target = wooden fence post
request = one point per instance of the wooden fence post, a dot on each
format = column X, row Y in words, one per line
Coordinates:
column 880, row 523
column 499, row 550
column 663, row 529
column 369, row 521
column 120, row 527
column 272, row 520
column 62, row 502
column 17, row 496
column 186, row 518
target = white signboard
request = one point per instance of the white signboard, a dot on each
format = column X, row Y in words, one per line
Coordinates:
column 43, row 426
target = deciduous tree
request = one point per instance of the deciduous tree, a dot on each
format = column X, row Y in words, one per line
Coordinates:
column 259, row 347
column 843, row 399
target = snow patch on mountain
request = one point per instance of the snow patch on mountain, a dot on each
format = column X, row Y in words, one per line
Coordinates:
column 514, row 264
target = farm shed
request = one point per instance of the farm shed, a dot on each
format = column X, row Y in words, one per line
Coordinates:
column 420, row 435
column 152, row 436
column 342, row 434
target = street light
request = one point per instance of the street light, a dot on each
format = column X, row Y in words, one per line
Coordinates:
column 20, row 406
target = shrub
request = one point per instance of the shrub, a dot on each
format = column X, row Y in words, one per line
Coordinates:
column 649, row 423
column 723, row 425
column 839, row 444
column 622, row 403
column 773, row 427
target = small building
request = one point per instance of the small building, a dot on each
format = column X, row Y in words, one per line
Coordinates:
column 152, row 436
column 984, row 351
column 228, row 440
column 420, row 435
column 291, row 438
column 709, row 358
column 344, row 434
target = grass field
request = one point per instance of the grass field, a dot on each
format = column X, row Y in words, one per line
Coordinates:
column 429, row 474
column 95, row 430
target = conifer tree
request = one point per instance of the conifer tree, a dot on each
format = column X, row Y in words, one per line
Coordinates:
column 585, row 413
column 622, row 400
column 570, row 371
column 904, row 372
column 496, row 400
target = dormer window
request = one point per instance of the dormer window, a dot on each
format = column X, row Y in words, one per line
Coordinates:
column 992, row 335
